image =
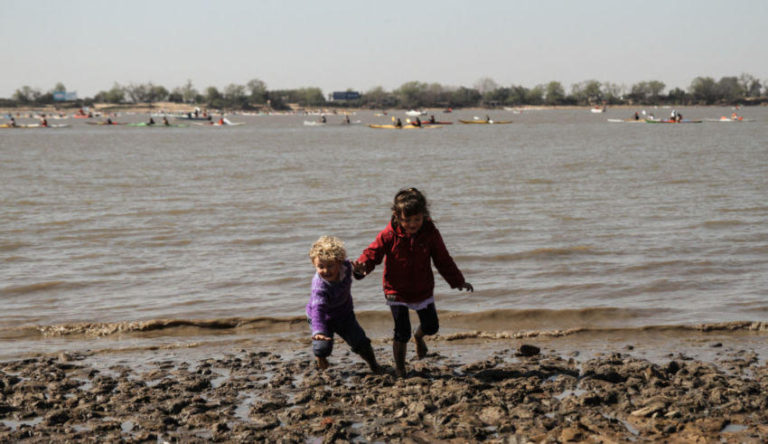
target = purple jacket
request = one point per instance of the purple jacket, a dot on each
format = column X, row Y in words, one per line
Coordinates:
column 330, row 301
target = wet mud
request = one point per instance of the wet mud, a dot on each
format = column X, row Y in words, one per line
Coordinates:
column 513, row 395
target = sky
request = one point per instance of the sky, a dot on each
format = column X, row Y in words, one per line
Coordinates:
column 340, row 44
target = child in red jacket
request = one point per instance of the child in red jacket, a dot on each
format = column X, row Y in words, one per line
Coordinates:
column 410, row 244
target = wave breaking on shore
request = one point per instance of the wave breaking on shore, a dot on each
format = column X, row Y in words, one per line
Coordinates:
column 493, row 324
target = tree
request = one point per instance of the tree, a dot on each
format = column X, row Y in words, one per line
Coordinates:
column 535, row 95
column 411, row 94
column 235, row 96
column 486, row 84
column 729, row 90
column 639, row 92
column 677, row 97
column 188, row 92
column 137, row 93
column 59, row 88
column 587, row 92
column 518, row 95
column 554, row 93
column 463, row 97
column 116, row 94
column 613, row 93
column 213, row 97
column 311, row 97
column 378, row 98
column 496, row 96
column 750, row 85
column 655, row 88
column 703, row 90
column 257, row 90
column 26, row 94
column 156, row 93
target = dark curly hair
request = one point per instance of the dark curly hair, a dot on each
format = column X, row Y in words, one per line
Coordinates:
column 409, row 202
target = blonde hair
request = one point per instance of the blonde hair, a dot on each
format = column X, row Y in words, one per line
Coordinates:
column 328, row 248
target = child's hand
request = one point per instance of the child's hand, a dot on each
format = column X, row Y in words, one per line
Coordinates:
column 358, row 268
column 321, row 337
column 467, row 286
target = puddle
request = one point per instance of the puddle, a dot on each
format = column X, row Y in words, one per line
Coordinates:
column 630, row 428
column 14, row 425
column 244, row 409
column 127, row 426
column 567, row 393
column 734, row 428
column 224, row 374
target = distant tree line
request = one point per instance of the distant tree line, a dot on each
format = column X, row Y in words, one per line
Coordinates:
column 744, row 89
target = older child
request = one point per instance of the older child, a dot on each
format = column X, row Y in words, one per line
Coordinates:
column 410, row 243
column 330, row 308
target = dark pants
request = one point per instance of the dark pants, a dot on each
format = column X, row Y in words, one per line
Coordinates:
column 427, row 317
column 349, row 330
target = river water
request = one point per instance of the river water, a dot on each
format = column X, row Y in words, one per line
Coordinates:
column 121, row 235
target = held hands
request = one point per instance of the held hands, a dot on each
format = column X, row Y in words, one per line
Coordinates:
column 467, row 286
column 321, row 337
column 359, row 268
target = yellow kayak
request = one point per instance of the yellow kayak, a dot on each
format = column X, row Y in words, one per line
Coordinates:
column 401, row 127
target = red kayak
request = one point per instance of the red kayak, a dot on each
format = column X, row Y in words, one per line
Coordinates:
column 436, row 123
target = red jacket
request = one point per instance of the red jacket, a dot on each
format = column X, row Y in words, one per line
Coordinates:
column 408, row 269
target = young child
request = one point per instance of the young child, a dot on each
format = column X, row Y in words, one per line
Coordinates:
column 409, row 243
column 330, row 308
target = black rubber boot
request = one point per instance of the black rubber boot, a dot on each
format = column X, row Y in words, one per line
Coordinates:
column 370, row 358
column 398, row 350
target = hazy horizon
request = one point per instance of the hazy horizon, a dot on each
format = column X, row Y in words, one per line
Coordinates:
column 88, row 46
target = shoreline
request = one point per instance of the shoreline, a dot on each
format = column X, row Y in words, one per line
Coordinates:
column 172, row 107
column 465, row 390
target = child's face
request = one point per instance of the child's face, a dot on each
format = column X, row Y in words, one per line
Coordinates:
column 327, row 269
column 411, row 224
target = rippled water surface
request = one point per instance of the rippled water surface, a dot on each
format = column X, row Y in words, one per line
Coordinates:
column 560, row 210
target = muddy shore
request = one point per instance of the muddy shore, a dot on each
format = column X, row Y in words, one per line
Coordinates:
column 513, row 394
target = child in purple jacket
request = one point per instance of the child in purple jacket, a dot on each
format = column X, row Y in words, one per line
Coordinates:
column 330, row 308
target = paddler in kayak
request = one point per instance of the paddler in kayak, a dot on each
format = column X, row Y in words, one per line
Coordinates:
column 151, row 121
column 166, row 122
column 417, row 123
column 431, row 118
column 44, row 121
column 398, row 123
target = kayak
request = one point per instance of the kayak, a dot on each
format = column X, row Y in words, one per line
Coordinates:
column 729, row 120
column 626, row 120
column 192, row 118
column 672, row 121
column 219, row 124
column 159, row 125
column 105, row 123
column 486, row 122
column 33, row 125
column 401, row 127
column 436, row 123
